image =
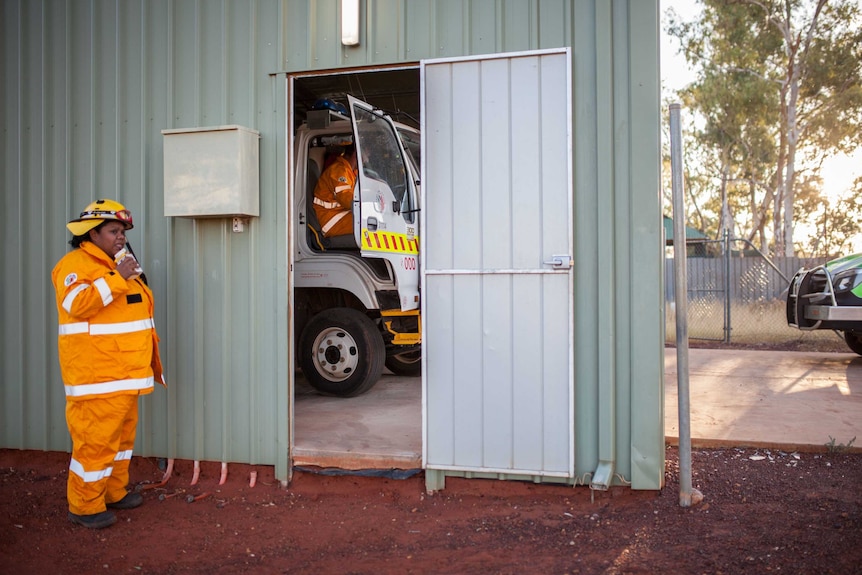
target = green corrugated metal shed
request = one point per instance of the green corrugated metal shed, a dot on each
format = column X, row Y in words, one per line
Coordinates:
column 88, row 86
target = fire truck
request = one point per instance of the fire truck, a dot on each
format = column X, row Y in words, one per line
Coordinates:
column 356, row 297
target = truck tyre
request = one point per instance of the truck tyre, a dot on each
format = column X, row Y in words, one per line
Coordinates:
column 341, row 352
column 408, row 364
column 854, row 341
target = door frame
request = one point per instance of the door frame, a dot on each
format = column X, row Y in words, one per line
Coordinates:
column 290, row 128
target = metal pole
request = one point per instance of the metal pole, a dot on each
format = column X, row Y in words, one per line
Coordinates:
column 680, row 289
column 727, row 298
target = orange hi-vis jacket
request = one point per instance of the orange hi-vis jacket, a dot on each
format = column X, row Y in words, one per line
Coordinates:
column 333, row 198
column 107, row 340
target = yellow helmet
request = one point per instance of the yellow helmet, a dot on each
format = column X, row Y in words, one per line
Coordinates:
column 98, row 212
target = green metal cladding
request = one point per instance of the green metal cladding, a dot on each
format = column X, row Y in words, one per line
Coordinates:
column 88, row 86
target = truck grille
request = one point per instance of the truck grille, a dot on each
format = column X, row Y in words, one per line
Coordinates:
column 817, row 285
column 818, row 282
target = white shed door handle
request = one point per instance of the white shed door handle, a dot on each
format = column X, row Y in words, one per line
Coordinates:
column 560, row 261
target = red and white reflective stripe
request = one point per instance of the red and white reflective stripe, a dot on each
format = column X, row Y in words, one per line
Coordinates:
column 335, row 219
column 89, row 476
column 106, row 387
column 107, row 328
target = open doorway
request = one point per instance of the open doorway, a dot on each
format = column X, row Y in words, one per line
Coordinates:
column 380, row 426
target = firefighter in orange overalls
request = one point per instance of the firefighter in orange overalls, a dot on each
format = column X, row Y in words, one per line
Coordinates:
column 109, row 356
column 333, row 195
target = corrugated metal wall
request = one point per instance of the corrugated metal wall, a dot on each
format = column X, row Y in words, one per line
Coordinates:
column 87, row 87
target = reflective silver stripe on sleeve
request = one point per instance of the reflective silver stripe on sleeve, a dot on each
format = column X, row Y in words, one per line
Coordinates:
column 325, row 204
column 109, row 387
column 335, row 219
column 123, row 455
column 340, row 189
column 70, row 297
column 121, row 327
column 89, row 476
column 73, row 328
column 104, row 290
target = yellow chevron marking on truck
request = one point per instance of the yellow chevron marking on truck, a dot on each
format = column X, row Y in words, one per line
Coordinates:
column 382, row 241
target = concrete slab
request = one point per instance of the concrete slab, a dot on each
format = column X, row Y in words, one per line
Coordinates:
column 793, row 401
column 784, row 400
column 381, row 429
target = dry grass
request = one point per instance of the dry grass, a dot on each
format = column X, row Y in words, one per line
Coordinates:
column 756, row 325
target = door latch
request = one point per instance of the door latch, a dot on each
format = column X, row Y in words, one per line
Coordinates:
column 560, row 261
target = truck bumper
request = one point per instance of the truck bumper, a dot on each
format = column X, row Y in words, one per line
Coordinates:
column 833, row 313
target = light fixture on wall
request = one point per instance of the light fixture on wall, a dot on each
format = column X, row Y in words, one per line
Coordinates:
column 350, row 22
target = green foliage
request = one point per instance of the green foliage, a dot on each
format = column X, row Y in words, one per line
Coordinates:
column 778, row 89
column 835, row 224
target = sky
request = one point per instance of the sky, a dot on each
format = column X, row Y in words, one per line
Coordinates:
column 838, row 172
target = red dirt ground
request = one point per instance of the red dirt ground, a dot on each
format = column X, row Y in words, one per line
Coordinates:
column 764, row 511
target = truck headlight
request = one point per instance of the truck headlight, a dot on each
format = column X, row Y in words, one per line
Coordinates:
column 847, row 280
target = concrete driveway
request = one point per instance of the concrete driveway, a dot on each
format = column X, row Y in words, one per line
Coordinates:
column 785, row 400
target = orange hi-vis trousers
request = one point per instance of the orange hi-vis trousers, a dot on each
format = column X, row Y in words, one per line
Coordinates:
column 103, row 436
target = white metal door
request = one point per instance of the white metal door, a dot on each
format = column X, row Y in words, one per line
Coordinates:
column 497, row 291
column 383, row 206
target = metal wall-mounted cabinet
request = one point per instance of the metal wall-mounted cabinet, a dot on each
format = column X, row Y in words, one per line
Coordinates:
column 212, row 172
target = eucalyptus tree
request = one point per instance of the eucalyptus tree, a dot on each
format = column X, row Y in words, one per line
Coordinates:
column 778, row 90
column 837, row 224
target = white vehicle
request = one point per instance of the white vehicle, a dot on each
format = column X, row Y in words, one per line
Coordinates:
column 357, row 297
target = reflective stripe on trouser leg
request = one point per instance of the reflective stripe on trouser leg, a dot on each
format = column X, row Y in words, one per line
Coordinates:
column 119, row 479
column 97, row 427
column 341, row 224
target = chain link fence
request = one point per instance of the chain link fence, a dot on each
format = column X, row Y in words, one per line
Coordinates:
column 738, row 297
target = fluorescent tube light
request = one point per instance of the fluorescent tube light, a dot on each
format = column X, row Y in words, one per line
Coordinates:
column 350, row 22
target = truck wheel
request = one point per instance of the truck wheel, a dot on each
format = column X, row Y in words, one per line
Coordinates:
column 408, row 363
column 341, row 352
column 854, row 341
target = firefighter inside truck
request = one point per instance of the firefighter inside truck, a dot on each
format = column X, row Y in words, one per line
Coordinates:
column 333, row 194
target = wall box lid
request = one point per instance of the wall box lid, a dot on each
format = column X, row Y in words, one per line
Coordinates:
column 212, row 172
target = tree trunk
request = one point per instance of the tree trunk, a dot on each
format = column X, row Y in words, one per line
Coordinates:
column 778, row 196
column 726, row 223
column 790, row 177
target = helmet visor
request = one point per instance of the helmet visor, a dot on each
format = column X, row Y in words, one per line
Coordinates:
column 91, row 218
column 124, row 216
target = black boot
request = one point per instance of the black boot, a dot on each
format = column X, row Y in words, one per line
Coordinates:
column 94, row 521
column 130, row 501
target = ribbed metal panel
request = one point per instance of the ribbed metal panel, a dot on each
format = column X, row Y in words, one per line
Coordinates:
column 95, row 83
column 498, row 319
column 87, row 87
